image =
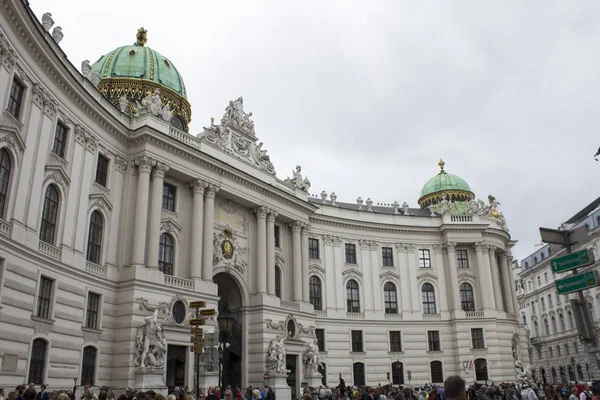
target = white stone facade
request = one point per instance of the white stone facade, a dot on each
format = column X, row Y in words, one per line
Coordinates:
column 222, row 192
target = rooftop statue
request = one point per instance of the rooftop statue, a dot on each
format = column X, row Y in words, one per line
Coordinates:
column 152, row 104
column 298, row 181
column 234, row 113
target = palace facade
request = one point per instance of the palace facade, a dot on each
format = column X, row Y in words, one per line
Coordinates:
column 110, row 210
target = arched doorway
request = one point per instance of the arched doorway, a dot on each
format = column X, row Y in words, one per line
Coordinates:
column 543, row 374
column 563, row 375
column 553, row 370
column 481, row 371
column 230, row 306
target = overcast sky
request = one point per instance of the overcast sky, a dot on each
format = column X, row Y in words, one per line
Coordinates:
column 367, row 96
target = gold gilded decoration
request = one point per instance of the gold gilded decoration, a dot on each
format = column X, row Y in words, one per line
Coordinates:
column 141, row 36
column 150, row 55
column 108, row 62
column 136, row 89
column 441, row 164
column 227, row 248
column 451, row 195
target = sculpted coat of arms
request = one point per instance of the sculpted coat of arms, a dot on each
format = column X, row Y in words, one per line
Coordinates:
column 228, row 251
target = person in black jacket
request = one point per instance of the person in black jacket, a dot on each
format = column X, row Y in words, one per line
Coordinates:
column 30, row 393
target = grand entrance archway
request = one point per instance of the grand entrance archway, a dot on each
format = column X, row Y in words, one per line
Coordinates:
column 230, row 306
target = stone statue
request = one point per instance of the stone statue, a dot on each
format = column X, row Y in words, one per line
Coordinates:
column 493, row 207
column 262, row 154
column 123, row 104
column 57, row 34
column 405, row 208
column 151, row 344
column 473, row 207
column 85, row 68
column 311, row 358
column 152, row 104
column 482, row 209
column 235, row 114
column 444, row 206
column 298, row 181
column 166, row 113
column 47, row 21
column 395, row 207
column 95, row 78
column 276, row 356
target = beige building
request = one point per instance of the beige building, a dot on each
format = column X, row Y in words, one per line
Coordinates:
column 110, row 211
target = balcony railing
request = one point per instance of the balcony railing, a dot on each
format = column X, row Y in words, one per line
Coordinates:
column 321, row 313
column 393, row 317
column 474, row 314
column 5, row 228
column 95, row 269
column 289, row 305
column 49, row 250
column 177, row 282
column 355, row 315
column 461, row 218
column 432, row 317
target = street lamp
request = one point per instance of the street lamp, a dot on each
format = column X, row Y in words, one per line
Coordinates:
column 225, row 326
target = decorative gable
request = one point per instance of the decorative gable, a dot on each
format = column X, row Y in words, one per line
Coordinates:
column 427, row 275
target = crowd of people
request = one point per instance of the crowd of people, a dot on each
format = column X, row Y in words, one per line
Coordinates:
column 454, row 388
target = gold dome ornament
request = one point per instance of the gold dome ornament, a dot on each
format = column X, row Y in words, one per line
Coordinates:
column 441, row 164
column 142, row 37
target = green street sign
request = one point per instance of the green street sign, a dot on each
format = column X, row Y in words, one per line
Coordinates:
column 577, row 282
column 574, row 260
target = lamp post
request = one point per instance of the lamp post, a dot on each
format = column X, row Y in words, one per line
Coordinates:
column 225, row 325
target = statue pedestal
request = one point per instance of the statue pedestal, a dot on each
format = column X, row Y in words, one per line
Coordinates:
column 278, row 382
column 151, row 379
column 313, row 379
column 208, row 379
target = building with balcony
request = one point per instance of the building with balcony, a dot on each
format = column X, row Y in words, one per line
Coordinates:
column 110, row 212
column 556, row 351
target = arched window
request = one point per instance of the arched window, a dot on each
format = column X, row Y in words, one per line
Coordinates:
column 481, row 370
column 353, row 304
column 314, row 284
column 95, row 237
column 570, row 316
column 397, row 373
column 536, row 328
column 88, row 366
column 177, row 122
column 546, row 327
column 554, row 376
column 277, row 281
column 4, row 179
column 563, row 376
column 543, row 303
column 390, row 299
column 49, row 215
column 553, row 324
column 543, row 374
column 587, row 228
column 358, row 370
column 561, row 319
column 166, row 254
column 37, row 362
column 579, row 372
column 571, row 373
column 428, row 296
column 437, row 373
column 467, row 300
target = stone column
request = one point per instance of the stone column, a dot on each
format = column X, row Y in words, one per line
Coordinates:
column 198, row 186
column 271, row 252
column 495, row 278
column 453, row 274
column 304, row 253
column 209, row 222
column 158, row 177
column 297, row 259
column 438, row 264
column 484, row 277
column 144, row 164
column 113, row 244
column 261, row 249
column 506, row 284
column 404, row 278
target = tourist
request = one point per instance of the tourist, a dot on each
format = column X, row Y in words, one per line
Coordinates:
column 574, row 394
column 454, row 388
column 585, row 392
column 30, row 393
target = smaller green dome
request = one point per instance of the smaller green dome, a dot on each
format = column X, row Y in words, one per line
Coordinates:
column 450, row 185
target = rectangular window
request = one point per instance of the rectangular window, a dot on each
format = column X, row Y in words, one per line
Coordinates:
column 320, row 334
column 433, row 340
column 387, row 257
column 60, row 140
column 277, row 237
column 44, row 298
column 546, row 277
column 168, row 200
column 424, row 258
column 462, row 258
column 16, row 98
column 102, row 170
column 477, row 338
column 357, row 343
column 350, row 253
column 93, row 306
column 395, row 343
column 313, row 248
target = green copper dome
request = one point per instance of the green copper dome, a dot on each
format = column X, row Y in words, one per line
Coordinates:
column 140, row 62
column 452, row 186
column 134, row 72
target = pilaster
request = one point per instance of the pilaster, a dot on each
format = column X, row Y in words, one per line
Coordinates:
column 198, row 187
column 271, row 252
column 158, row 176
column 144, row 165
column 261, row 248
column 209, row 221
